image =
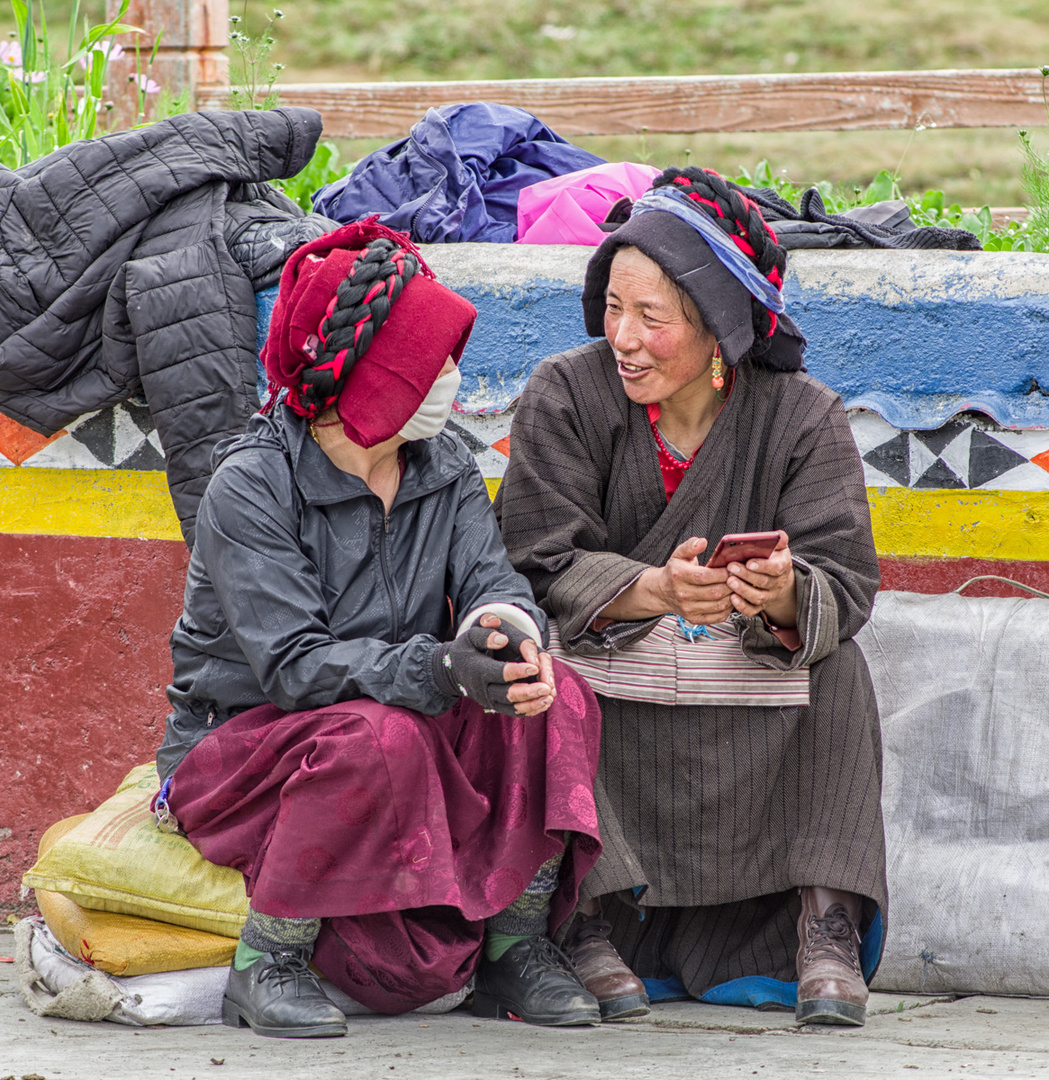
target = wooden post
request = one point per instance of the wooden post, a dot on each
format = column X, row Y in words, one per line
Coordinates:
column 193, row 35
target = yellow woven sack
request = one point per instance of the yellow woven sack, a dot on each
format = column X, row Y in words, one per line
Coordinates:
column 117, row 860
column 124, row 944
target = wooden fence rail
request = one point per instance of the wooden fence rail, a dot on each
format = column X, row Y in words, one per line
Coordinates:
column 194, row 37
column 881, row 100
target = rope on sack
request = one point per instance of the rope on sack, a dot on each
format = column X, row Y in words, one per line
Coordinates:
column 1005, row 581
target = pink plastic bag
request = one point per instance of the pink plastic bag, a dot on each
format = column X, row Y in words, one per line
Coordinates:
column 566, row 209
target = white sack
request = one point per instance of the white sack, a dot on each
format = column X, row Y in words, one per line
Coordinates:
column 963, row 692
column 54, row 983
column 57, row 984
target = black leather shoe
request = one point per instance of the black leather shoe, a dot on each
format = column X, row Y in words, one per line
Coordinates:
column 279, row 996
column 534, row 981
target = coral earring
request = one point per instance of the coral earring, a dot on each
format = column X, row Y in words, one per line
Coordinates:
column 718, row 379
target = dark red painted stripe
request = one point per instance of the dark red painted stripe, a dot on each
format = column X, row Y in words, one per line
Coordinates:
column 945, row 575
column 84, row 660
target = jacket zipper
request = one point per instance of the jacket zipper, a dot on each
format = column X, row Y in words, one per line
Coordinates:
column 386, row 574
column 434, row 191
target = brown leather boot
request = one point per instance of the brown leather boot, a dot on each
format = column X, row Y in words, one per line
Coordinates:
column 831, row 988
column 620, row 993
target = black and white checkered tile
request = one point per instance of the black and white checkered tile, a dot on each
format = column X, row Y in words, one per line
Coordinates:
column 120, row 438
column 965, row 453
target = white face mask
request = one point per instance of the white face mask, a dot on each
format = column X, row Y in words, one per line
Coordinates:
column 435, row 408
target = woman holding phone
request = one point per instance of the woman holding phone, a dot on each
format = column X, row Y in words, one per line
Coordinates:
column 740, row 776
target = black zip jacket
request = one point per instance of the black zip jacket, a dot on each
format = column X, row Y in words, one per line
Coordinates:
column 116, row 278
column 302, row 591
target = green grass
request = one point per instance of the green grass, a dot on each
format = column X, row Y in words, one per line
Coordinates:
column 355, row 40
column 332, row 40
column 974, row 166
column 501, row 39
column 321, row 40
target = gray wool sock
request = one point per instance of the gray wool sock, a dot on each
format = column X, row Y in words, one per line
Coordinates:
column 267, row 933
column 530, row 912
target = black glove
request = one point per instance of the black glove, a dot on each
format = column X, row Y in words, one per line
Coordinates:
column 466, row 666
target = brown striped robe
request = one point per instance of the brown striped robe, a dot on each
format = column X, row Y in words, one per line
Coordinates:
column 718, row 813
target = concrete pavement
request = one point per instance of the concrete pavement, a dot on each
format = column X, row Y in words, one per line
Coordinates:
column 921, row 1036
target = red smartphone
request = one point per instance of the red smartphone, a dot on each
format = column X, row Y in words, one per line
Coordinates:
column 739, row 547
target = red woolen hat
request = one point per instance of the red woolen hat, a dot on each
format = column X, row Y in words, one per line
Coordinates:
column 362, row 324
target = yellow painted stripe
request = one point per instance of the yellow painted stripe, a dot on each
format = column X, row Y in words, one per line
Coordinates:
column 87, row 502
column 957, row 524
column 954, row 524
column 907, row 523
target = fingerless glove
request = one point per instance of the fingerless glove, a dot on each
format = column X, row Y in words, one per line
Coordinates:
column 467, row 667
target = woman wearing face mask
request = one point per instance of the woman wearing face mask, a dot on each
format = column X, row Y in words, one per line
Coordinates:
column 364, row 722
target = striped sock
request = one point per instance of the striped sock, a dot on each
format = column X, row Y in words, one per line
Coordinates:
column 529, row 914
column 267, row 933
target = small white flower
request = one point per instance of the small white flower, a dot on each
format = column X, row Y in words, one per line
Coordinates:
column 557, row 33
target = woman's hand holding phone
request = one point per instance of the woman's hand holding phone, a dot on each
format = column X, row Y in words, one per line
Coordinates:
column 765, row 585
column 697, row 593
column 705, row 595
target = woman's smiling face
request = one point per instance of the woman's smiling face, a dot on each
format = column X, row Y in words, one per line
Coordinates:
column 660, row 350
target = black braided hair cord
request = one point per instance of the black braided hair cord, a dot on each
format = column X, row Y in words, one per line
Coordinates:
column 737, row 216
column 362, row 304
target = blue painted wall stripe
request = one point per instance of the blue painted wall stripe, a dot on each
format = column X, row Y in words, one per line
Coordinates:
column 913, row 336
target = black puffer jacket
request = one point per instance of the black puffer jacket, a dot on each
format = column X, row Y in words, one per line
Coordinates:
column 302, row 591
column 116, row 279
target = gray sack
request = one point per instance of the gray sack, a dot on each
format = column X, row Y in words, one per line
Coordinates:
column 963, row 686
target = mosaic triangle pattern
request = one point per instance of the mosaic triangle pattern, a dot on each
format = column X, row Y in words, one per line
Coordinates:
column 123, row 437
column 967, row 453
column 19, row 443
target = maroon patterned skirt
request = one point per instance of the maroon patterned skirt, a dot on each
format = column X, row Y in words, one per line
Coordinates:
column 402, row 831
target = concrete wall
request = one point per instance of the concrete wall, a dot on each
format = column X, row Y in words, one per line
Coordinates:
column 915, row 343
column 915, row 336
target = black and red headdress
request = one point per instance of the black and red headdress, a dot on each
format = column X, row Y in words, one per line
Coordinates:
column 713, row 241
column 361, row 324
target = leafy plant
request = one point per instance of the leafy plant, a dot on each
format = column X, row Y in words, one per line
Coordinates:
column 1035, row 175
column 322, row 169
column 253, row 79
column 932, row 207
column 1036, row 183
column 47, row 102
column 252, row 74
column 834, row 197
